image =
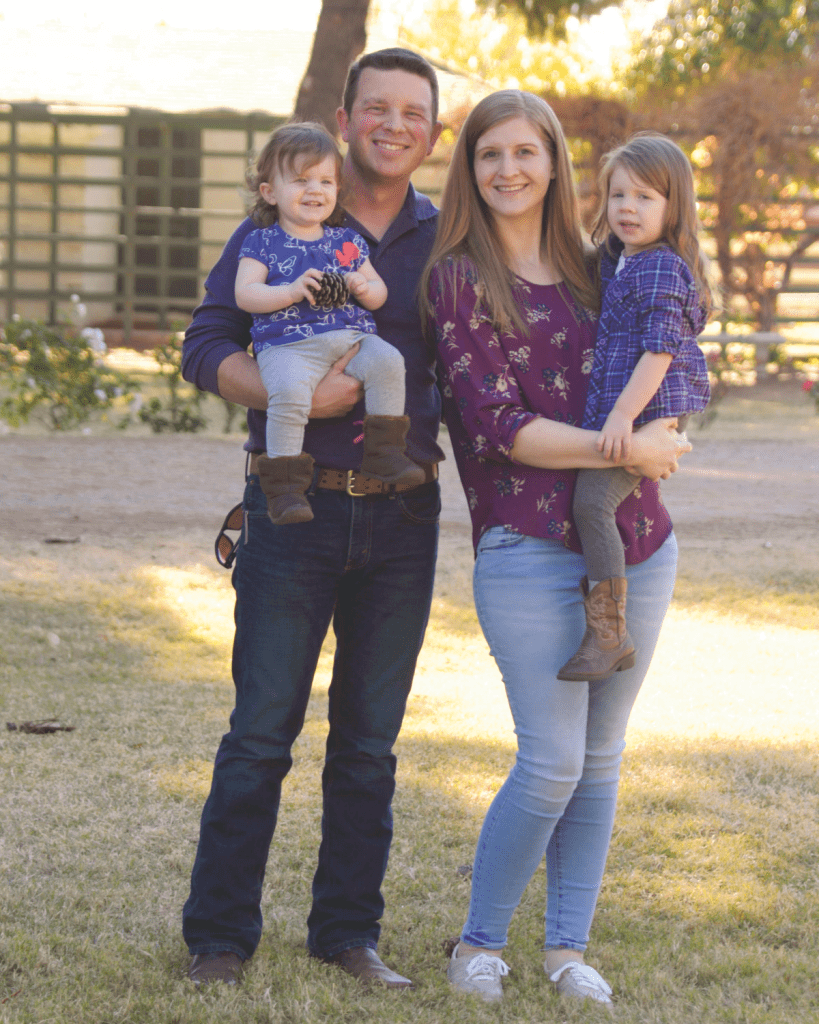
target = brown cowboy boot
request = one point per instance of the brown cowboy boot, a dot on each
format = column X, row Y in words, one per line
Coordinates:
column 385, row 441
column 284, row 481
column 606, row 646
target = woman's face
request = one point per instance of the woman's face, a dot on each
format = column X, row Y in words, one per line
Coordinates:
column 513, row 169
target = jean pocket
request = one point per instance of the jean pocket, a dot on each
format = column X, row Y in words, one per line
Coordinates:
column 254, row 502
column 422, row 504
column 498, row 538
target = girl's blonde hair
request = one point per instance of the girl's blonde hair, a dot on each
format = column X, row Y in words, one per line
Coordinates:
column 299, row 145
column 466, row 227
column 658, row 162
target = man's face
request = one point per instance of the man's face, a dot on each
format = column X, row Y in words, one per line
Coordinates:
column 390, row 128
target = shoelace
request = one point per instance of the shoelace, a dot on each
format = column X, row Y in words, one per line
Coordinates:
column 583, row 976
column 486, row 968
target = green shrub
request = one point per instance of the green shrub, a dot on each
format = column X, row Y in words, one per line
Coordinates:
column 181, row 411
column 55, row 373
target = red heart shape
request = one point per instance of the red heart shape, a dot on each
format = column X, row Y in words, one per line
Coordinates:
column 349, row 252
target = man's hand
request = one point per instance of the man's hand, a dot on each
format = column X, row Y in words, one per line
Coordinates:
column 337, row 393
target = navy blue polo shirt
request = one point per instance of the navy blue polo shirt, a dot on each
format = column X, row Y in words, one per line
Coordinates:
column 219, row 328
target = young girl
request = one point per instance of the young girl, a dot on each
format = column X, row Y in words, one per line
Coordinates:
column 647, row 364
column 297, row 274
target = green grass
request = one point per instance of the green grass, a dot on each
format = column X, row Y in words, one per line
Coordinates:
column 710, row 909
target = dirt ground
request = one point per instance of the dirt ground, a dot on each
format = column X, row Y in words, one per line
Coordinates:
column 751, row 482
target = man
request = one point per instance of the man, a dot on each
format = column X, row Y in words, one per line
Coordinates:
column 366, row 562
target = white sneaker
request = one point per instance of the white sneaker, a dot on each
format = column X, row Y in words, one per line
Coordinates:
column 579, row 981
column 479, row 974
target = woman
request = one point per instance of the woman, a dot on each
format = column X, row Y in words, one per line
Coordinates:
column 511, row 298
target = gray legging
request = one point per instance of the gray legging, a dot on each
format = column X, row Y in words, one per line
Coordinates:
column 291, row 372
column 597, row 495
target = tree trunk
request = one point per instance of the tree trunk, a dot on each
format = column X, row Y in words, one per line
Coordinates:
column 340, row 37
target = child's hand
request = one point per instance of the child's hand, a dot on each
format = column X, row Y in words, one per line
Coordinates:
column 614, row 440
column 306, row 286
column 357, row 283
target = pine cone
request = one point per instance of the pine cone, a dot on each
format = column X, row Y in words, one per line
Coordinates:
column 333, row 290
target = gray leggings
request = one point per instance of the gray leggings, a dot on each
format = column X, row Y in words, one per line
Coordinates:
column 597, row 495
column 291, row 372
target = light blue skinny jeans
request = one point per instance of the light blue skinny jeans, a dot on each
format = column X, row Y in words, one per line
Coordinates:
column 560, row 797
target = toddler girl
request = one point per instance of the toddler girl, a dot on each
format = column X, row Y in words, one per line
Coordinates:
column 299, row 275
column 647, row 364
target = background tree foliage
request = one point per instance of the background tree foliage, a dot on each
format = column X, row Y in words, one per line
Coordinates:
column 547, row 18
column 494, row 47
column 701, row 40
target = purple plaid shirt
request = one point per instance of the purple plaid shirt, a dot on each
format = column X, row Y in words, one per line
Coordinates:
column 652, row 305
column 495, row 384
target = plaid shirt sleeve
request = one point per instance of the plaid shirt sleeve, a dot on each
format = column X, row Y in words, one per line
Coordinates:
column 665, row 296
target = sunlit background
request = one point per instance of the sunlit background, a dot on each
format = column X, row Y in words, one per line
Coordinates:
column 180, row 54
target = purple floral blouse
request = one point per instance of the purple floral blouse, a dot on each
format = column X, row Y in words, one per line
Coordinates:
column 495, row 384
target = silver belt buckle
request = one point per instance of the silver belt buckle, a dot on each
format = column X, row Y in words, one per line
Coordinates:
column 349, row 487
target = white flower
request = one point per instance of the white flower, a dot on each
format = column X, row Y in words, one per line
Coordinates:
column 25, row 334
column 15, row 317
column 95, row 339
column 32, row 383
column 86, row 430
column 136, row 404
column 100, row 395
column 118, row 392
column 81, row 309
column 75, row 298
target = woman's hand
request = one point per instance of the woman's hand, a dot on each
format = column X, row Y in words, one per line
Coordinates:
column 655, row 451
column 337, row 393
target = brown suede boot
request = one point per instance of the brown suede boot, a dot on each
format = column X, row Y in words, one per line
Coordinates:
column 284, row 481
column 606, row 646
column 385, row 441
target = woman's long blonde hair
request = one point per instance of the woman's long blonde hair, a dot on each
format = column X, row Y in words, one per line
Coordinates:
column 660, row 163
column 465, row 224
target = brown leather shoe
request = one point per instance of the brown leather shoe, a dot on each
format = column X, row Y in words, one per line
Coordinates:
column 366, row 965
column 207, row 967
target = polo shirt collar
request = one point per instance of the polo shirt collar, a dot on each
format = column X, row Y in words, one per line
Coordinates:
column 415, row 208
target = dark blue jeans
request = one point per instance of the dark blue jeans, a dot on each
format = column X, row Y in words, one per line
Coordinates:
column 367, row 564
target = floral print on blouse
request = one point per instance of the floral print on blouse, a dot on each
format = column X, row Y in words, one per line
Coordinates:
column 495, row 383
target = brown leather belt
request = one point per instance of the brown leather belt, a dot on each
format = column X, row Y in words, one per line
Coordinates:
column 354, row 483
